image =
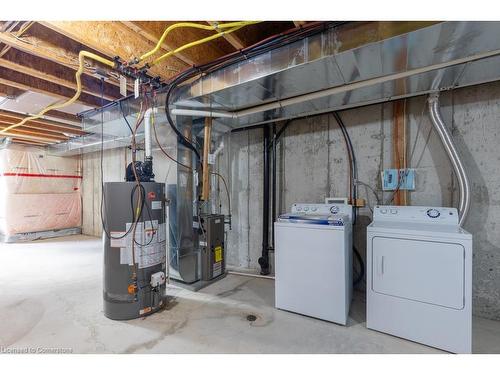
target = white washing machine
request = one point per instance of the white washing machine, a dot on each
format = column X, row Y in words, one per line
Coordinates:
column 419, row 276
column 313, row 261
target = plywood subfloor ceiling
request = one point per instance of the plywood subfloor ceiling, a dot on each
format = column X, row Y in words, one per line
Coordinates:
column 38, row 61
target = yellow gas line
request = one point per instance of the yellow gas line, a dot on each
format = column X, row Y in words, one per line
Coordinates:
column 192, row 44
column 196, row 26
column 232, row 26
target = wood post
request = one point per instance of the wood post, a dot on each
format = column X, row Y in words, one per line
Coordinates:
column 205, row 189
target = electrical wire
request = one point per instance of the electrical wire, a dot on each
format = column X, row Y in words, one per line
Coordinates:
column 165, row 152
column 227, row 191
column 261, row 47
column 353, row 174
column 361, row 273
column 354, row 178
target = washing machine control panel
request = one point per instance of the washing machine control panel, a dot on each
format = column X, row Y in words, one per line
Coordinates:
column 322, row 209
column 422, row 214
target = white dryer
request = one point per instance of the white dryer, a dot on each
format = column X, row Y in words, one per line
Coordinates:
column 419, row 276
column 313, row 261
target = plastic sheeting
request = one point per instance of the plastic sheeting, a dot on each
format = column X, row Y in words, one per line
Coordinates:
column 39, row 192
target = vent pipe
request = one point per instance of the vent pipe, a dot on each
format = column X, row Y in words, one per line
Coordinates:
column 451, row 151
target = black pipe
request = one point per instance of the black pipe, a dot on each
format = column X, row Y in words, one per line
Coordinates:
column 273, row 188
column 353, row 166
column 264, row 259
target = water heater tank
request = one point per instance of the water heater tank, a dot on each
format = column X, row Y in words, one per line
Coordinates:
column 132, row 290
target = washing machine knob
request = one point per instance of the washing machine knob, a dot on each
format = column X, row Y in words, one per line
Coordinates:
column 334, row 209
column 433, row 213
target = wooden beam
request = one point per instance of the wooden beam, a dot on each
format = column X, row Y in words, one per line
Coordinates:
column 30, row 142
column 399, row 149
column 48, row 51
column 207, row 138
column 9, row 91
column 41, row 48
column 54, row 79
column 35, row 130
column 16, row 79
column 154, row 39
column 47, row 129
column 45, row 69
column 49, row 124
column 64, row 116
column 28, row 135
column 19, row 33
column 231, row 38
column 112, row 39
column 299, row 23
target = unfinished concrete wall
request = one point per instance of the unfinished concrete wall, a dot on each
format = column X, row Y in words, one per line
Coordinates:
column 312, row 164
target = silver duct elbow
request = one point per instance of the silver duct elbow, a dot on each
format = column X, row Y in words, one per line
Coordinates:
column 451, row 151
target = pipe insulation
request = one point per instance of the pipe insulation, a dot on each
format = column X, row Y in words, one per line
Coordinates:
column 148, row 118
column 451, row 151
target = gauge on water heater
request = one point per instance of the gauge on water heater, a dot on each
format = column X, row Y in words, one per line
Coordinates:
column 334, row 210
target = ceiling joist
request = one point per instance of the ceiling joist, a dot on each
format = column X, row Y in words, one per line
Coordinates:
column 232, row 38
column 112, row 39
column 21, row 81
column 43, row 124
column 154, row 39
column 52, row 77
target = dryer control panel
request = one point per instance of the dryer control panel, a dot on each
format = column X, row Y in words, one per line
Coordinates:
column 322, row 209
column 416, row 214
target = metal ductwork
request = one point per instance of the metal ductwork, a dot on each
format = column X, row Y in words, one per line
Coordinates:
column 451, row 151
column 321, row 73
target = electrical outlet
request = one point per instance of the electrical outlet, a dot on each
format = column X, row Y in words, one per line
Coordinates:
column 406, row 180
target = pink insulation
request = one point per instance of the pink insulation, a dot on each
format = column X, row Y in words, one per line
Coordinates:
column 38, row 192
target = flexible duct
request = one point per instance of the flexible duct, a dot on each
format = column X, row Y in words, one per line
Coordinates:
column 451, row 151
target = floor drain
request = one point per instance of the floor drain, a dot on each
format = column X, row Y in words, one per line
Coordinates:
column 251, row 318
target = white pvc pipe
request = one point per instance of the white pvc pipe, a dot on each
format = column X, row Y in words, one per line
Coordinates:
column 147, row 131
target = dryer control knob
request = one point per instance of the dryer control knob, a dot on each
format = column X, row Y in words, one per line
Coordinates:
column 433, row 213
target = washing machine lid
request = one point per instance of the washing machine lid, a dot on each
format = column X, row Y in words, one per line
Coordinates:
column 332, row 220
column 322, row 209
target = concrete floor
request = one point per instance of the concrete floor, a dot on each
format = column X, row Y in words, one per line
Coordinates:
column 52, row 297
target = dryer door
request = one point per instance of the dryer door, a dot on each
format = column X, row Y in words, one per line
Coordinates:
column 424, row 271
